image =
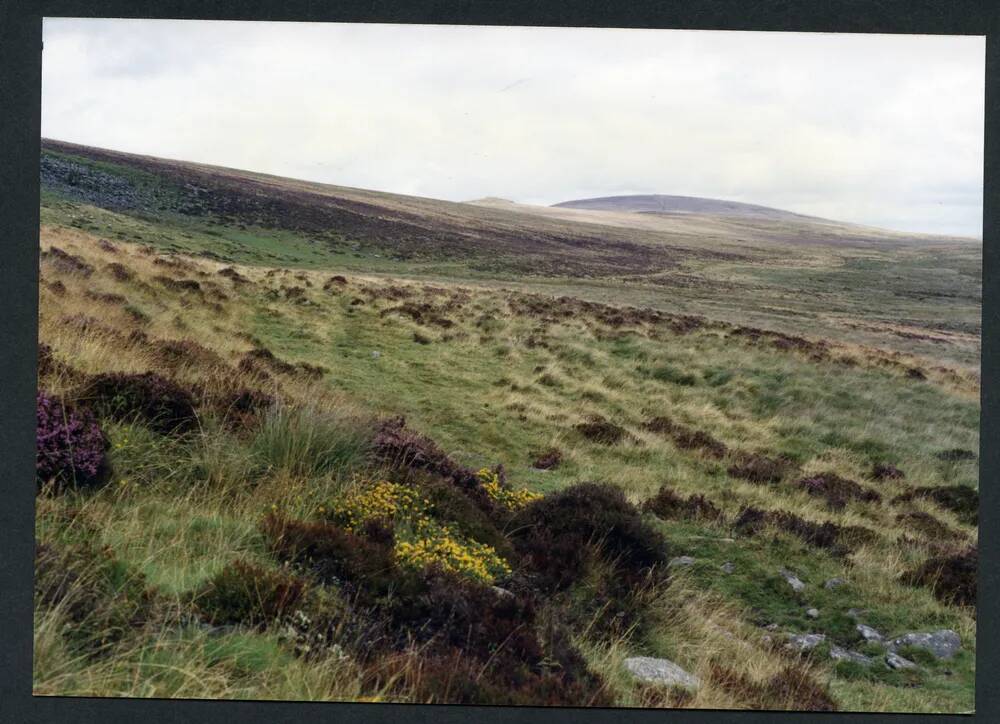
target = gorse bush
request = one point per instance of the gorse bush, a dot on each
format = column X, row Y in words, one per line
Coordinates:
column 420, row 539
column 503, row 495
column 309, row 442
column 71, row 448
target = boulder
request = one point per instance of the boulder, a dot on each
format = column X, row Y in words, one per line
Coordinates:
column 683, row 561
column 839, row 654
column 812, row 612
column 943, row 644
column 804, row 642
column 869, row 634
column 895, row 661
column 834, row 583
column 660, row 671
column 792, row 580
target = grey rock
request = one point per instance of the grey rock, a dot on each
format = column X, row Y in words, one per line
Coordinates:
column 680, row 561
column 728, row 567
column 812, row 612
column 501, row 592
column 660, row 671
column 792, row 580
column 839, row 654
column 869, row 634
column 895, row 661
column 943, row 644
column 772, row 627
column 834, row 583
column 376, row 354
column 804, row 642
column 855, row 613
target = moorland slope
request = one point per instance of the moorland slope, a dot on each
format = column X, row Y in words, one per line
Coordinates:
column 302, row 412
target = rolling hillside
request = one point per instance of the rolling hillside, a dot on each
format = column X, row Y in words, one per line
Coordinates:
column 337, row 444
column 913, row 294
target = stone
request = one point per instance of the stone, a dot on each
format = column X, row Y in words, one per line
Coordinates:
column 772, row 627
column 869, row 634
column 728, row 567
column 839, row 654
column 943, row 644
column 501, row 592
column 660, row 671
column 376, row 354
column 834, row 583
column 792, row 580
column 895, row 661
column 812, row 612
column 804, row 642
column 680, row 561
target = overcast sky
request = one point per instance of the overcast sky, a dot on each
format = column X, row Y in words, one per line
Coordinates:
column 876, row 129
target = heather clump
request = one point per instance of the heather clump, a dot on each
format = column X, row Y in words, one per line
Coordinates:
column 952, row 577
column 961, row 500
column 759, row 469
column 837, row 491
column 246, row 593
column 553, row 534
column 162, row 404
column 71, row 448
column 670, row 505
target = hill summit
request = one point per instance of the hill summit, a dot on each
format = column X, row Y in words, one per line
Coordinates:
column 666, row 204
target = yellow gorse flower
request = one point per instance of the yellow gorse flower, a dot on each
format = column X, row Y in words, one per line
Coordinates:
column 510, row 499
column 421, row 540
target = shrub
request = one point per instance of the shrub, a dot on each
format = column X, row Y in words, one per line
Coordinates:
column 244, row 408
column 162, row 404
column 548, row 460
column 599, row 430
column 421, row 540
column 759, row 469
column 837, row 491
column 494, row 483
column 553, row 534
column 452, row 506
column 407, row 450
column 67, row 263
column 667, row 504
column 685, row 437
column 927, row 525
column 331, row 553
column 70, row 447
column 952, row 578
column 961, row 500
column 244, row 593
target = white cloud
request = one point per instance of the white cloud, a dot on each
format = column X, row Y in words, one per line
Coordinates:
column 878, row 129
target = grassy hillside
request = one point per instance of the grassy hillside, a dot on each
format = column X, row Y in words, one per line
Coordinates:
column 215, row 558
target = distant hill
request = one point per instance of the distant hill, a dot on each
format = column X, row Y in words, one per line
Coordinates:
column 665, row 204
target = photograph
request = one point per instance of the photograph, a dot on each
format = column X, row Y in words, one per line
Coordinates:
column 514, row 366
